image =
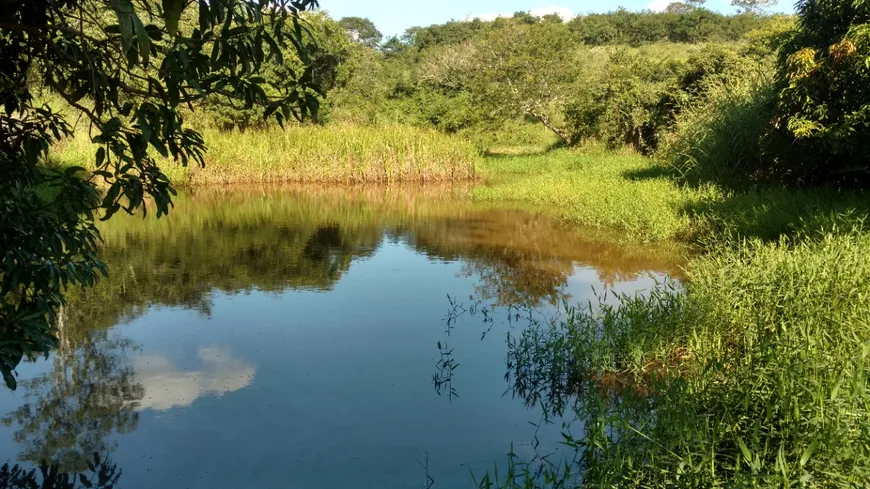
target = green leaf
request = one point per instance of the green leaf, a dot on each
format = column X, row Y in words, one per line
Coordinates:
column 9, row 378
column 172, row 10
column 204, row 18
column 143, row 39
column 746, row 453
column 101, row 156
column 809, row 452
column 112, row 126
column 124, row 12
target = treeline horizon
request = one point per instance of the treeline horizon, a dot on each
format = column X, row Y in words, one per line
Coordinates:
column 679, row 23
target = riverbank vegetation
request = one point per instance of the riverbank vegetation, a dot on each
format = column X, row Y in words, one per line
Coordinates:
column 752, row 372
column 334, row 154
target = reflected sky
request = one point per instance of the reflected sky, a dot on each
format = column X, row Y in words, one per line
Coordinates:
column 167, row 387
column 287, row 338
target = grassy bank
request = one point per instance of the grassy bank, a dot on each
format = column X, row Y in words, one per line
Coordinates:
column 643, row 200
column 335, row 154
column 753, row 373
column 606, row 190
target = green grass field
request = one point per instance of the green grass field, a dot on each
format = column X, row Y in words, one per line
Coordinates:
column 644, row 201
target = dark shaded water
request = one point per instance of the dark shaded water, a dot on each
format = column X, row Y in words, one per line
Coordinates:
column 288, row 338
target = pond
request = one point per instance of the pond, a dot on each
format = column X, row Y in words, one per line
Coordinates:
column 298, row 337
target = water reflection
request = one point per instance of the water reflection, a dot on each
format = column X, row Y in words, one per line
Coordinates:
column 70, row 412
column 306, row 239
column 167, row 387
column 100, row 474
column 313, row 315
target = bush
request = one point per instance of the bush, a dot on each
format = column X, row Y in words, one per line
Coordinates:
column 724, row 135
column 633, row 98
column 825, row 101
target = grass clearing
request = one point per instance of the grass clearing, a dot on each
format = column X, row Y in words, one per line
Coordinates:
column 641, row 199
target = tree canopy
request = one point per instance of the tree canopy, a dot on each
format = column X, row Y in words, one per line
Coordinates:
column 362, row 31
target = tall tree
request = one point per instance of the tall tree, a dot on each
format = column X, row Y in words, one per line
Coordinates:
column 753, row 5
column 528, row 70
column 362, row 30
column 125, row 67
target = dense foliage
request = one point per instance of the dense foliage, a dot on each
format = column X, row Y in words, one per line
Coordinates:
column 620, row 77
column 825, row 103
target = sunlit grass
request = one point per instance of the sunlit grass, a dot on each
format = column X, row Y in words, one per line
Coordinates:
column 604, row 190
column 641, row 199
column 754, row 375
column 335, row 154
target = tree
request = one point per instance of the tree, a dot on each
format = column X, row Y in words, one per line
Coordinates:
column 553, row 18
column 824, row 105
column 329, row 49
column 684, row 7
column 362, row 30
column 525, row 17
column 394, row 46
column 126, row 68
column 753, row 5
column 528, row 70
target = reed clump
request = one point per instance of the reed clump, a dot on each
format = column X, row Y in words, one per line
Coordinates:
column 753, row 374
column 312, row 154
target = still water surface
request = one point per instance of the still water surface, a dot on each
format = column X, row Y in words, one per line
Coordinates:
column 289, row 337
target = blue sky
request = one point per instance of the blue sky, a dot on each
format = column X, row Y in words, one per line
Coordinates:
column 394, row 16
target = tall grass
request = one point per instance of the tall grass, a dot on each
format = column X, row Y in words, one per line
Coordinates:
column 755, row 375
column 725, row 136
column 347, row 154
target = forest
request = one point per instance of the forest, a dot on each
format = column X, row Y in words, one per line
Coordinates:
column 743, row 139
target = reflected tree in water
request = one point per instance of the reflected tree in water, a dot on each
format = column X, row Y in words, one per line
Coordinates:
column 70, row 411
column 233, row 241
column 100, row 474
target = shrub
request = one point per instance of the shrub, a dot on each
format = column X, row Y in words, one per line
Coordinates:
column 633, row 98
column 724, row 136
column 825, row 101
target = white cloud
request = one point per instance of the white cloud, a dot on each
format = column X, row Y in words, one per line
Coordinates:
column 167, row 387
column 563, row 12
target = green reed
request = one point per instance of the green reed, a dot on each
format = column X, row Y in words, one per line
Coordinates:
column 334, row 154
column 755, row 374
